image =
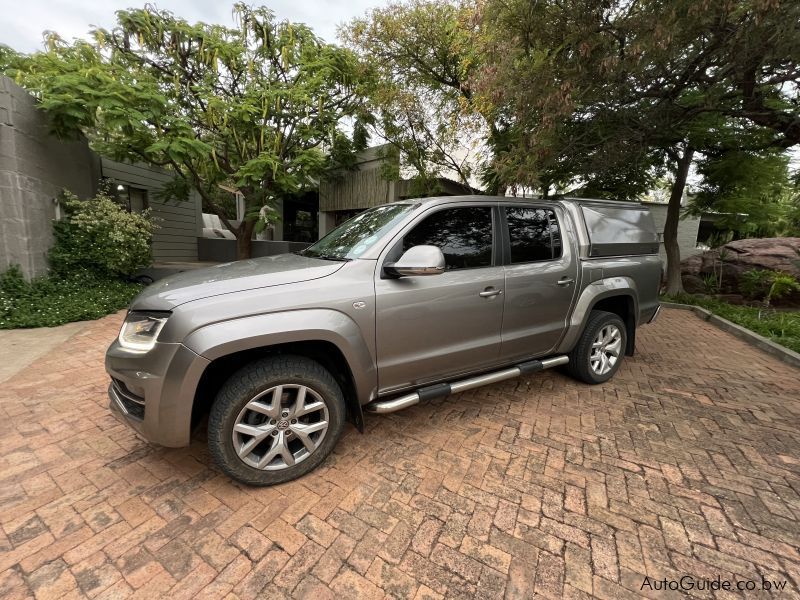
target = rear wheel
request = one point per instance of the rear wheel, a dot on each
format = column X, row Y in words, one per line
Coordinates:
column 600, row 349
column 275, row 420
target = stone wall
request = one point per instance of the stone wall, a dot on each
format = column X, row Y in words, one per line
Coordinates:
column 34, row 168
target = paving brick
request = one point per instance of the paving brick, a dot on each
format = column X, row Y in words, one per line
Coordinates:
column 391, row 580
column 456, row 562
column 318, row 530
column 426, row 535
column 334, row 557
column 94, row 574
column 254, row 544
column 349, row 584
column 550, row 576
column 285, row 536
column 686, row 462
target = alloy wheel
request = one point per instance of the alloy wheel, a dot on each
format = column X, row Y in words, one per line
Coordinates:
column 280, row 427
column 606, row 349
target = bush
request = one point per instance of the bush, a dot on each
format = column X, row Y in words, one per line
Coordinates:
column 755, row 283
column 100, row 238
column 51, row 301
column 766, row 285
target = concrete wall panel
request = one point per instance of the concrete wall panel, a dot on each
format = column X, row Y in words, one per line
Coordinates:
column 34, row 167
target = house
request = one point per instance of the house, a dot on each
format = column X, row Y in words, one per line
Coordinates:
column 307, row 216
column 347, row 193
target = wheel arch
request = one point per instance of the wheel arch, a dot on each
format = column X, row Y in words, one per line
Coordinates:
column 617, row 295
column 324, row 352
column 623, row 305
column 329, row 337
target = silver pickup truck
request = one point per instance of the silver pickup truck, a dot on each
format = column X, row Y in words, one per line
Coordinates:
column 406, row 302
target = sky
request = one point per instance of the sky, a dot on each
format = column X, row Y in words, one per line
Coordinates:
column 23, row 21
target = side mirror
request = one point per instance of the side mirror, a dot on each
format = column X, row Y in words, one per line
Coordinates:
column 418, row 260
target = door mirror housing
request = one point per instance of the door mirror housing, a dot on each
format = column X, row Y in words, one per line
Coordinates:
column 418, row 260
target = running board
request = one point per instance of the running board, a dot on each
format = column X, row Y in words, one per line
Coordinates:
column 442, row 390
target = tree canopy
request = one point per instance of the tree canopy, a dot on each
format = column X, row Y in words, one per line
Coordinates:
column 252, row 107
column 614, row 94
column 420, row 57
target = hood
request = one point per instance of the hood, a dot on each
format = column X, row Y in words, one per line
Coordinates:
column 172, row 291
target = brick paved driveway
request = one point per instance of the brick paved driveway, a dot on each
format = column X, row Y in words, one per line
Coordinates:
column 688, row 462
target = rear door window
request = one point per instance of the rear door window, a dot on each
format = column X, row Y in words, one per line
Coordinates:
column 533, row 233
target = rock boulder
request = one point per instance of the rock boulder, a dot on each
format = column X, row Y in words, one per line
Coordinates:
column 773, row 254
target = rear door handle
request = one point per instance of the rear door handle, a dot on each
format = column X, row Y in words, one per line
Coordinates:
column 565, row 281
column 490, row 293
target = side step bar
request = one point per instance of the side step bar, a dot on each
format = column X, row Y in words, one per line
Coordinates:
column 441, row 390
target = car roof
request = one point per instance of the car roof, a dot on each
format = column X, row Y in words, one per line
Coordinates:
column 519, row 200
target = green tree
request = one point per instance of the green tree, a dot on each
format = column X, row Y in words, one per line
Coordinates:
column 421, row 60
column 618, row 93
column 251, row 107
column 753, row 193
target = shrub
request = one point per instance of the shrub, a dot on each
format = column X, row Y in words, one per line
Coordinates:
column 766, row 285
column 783, row 284
column 100, row 237
column 755, row 283
column 51, row 301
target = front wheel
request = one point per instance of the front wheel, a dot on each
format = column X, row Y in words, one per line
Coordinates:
column 275, row 420
column 600, row 349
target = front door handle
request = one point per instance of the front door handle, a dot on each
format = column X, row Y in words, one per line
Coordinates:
column 565, row 281
column 490, row 293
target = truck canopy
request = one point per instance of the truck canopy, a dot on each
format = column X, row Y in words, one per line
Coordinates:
column 619, row 228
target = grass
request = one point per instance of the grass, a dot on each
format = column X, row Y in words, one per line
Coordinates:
column 51, row 301
column 780, row 326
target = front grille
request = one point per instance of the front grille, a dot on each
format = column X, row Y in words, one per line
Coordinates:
column 133, row 404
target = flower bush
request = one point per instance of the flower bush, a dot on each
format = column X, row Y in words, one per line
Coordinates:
column 100, row 237
column 97, row 245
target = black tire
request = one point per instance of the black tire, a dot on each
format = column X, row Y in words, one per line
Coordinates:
column 244, row 386
column 580, row 363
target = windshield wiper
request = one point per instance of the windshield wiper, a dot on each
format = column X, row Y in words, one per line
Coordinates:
column 322, row 256
column 331, row 257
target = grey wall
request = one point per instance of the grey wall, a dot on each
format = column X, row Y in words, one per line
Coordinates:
column 180, row 223
column 34, row 168
column 220, row 250
column 687, row 230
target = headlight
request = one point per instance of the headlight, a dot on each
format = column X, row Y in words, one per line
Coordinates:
column 141, row 328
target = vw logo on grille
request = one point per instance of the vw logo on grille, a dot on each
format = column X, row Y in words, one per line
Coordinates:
column 283, row 424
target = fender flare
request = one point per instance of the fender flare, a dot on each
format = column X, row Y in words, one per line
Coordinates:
column 306, row 325
column 608, row 287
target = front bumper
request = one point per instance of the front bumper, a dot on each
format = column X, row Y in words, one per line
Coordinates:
column 153, row 392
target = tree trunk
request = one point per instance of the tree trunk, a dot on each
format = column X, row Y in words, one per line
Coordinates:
column 244, row 239
column 674, row 283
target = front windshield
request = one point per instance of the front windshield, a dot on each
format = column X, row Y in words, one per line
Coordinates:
column 357, row 235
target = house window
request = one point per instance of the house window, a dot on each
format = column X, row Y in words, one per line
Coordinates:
column 133, row 198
